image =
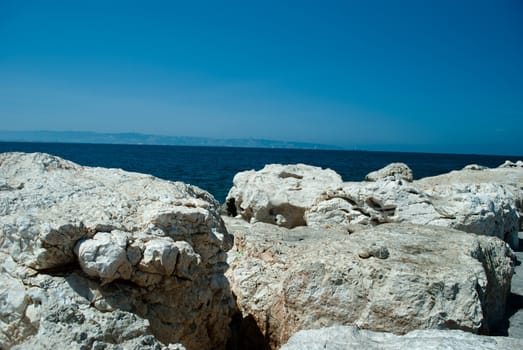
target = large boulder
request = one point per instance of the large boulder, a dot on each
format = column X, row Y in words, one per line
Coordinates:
column 509, row 175
column 391, row 171
column 95, row 255
column 392, row 277
column 482, row 208
column 279, row 194
column 348, row 337
column 487, row 202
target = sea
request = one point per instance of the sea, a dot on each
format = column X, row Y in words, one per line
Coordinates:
column 213, row 168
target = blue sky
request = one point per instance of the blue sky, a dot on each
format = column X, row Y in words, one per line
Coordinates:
column 440, row 76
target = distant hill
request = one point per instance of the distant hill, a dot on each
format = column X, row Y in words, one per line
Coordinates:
column 146, row 139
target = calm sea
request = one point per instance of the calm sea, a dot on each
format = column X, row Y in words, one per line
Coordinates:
column 213, row 168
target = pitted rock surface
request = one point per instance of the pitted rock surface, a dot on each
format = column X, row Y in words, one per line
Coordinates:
column 483, row 208
column 482, row 201
column 102, row 245
column 280, row 194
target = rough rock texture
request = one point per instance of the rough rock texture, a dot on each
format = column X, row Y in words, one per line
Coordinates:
column 280, row 194
column 346, row 337
column 391, row 171
column 481, row 208
column 40, row 311
column 509, row 164
column 508, row 175
column 97, row 255
column 393, row 277
column 487, row 202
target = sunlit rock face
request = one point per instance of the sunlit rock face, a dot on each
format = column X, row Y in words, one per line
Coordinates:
column 391, row 171
column 477, row 200
column 483, row 208
column 393, row 277
column 509, row 175
column 103, row 256
column 280, row 194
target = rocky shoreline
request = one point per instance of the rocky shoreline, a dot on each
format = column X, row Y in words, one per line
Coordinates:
column 95, row 258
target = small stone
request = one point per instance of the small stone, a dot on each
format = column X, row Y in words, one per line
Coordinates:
column 396, row 171
column 380, row 252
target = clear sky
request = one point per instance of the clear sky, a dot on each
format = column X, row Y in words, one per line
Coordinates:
column 443, row 76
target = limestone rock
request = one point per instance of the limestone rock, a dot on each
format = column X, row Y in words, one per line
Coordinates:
column 280, row 194
column 509, row 175
column 482, row 208
column 55, row 312
column 417, row 277
column 391, row 171
column 509, row 164
column 487, row 202
column 475, row 167
column 347, row 337
column 103, row 256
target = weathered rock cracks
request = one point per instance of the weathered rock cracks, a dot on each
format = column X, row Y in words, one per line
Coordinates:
column 94, row 258
column 392, row 277
column 483, row 208
column 509, row 176
column 487, row 201
column 103, row 258
column 389, row 254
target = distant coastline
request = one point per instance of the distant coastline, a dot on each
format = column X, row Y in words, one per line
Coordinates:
column 139, row 139
column 150, row 139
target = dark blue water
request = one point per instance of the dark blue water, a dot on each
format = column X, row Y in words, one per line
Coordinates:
column 212, row 168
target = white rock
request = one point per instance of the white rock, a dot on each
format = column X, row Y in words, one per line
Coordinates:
column 393, row 277
column 475, row 167
column 391, row 171
column 509, row 177
column 280, row 194
column 105, row 256
column 509, row 164
column 159, row 257
column 346, row 337
column 487, row 202
column 482, row 208
column 99, row 257
column 66, row 320
column 13, row 298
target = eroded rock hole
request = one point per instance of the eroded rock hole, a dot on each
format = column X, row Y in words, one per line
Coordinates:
column 231, row 207
column 284, row 175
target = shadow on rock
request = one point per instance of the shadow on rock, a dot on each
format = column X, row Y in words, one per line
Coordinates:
column 245, row 334
column 514, row 304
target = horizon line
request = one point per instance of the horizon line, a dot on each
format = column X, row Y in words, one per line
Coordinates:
column 294, row 145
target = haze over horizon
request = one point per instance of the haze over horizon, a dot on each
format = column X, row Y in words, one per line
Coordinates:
column 431, row 76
